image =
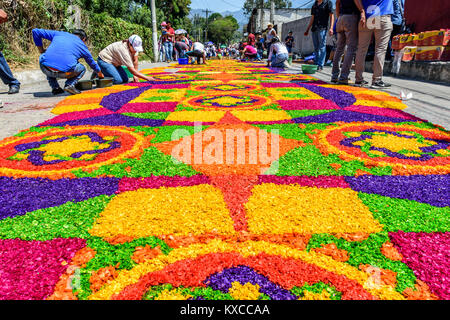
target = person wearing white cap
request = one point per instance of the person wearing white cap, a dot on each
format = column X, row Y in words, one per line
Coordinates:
column 122, row 53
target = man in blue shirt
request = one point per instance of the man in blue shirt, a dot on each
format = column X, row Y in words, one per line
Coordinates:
column 60, row 60
column 378, row 22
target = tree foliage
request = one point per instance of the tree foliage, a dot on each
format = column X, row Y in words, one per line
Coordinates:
column 222, row 30
column 249, row 5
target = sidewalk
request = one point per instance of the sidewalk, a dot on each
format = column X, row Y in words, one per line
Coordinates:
column 431, row 101
column 35, row 101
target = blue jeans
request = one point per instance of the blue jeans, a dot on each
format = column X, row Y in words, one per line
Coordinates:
column 320, row 46
column 118, row 74
column 72, row 76
column 6, row 74
column 278, row 60
column 260, row 54
column 168, row 48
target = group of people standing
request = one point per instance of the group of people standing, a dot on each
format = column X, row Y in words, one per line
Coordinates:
column 358, row 21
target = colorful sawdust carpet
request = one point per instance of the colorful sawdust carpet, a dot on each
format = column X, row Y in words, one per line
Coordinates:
column 135, row 192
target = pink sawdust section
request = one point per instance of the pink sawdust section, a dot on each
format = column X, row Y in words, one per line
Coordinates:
column 308, row 105
column 77, row 116
column 132, row 184
column 428, row 256
column 29, row 270
column 318, row 182
column 279, row 85
column 144, row 107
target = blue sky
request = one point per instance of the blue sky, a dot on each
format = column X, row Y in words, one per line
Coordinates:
column 229, row 5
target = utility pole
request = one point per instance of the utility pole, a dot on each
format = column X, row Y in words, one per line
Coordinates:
column 272, row 12
column 207, row 23
column 155, row 31
column 261, row 22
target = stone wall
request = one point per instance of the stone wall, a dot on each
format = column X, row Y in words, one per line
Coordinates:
column 303, row 45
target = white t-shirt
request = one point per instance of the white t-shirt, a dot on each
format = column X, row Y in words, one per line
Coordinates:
column 199, row 47
column 272, row 33
column 278, row 48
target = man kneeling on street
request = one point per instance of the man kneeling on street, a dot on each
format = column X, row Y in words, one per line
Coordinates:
column 60, row 60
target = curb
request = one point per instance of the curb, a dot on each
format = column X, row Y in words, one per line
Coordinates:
column 30, row 77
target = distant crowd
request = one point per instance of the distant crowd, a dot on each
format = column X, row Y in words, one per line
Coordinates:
column 351, row 33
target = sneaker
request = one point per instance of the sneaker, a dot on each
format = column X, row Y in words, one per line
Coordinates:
column 334, row 80
column 343, row 81
column 319, row 68
column 362, row 83
column 380, row 85
column 57, row 91
column 14, row 89
column 72, row 90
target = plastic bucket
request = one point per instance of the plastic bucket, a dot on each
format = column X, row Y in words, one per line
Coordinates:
column 309, row 69
column 183, row 61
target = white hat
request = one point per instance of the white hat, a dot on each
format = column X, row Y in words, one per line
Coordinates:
column 136, row 43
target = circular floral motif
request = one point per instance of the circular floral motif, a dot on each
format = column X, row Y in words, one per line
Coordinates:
column 283, row 77
column 57, row 149
column 227, row 101
column 171, row 77
column 407, row 149
column 227, row 87
column 55, row 153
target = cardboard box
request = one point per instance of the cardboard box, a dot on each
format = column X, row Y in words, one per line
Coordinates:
column 446, row 54
column 434, row 38
column 396, row 43
column 409, row 53
column 429, row 53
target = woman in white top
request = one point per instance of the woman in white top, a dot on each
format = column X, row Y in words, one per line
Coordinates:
column 278, row 54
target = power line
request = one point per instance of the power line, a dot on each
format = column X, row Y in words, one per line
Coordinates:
column 233, row 5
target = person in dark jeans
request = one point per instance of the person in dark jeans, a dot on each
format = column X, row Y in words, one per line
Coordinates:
column 260, row 45
column 321, row 13
column 5, row 72
column 289, row 42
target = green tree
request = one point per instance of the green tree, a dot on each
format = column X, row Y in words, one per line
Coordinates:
column 222, row 30
column 249, row 5
column 214, row 16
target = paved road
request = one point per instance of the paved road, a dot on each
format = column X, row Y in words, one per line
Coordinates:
column 430, row 101
column 34, row 103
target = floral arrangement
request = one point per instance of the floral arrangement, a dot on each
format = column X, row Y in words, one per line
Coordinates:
column 96, row 203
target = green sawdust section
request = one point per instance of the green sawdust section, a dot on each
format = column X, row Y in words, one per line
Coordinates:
column 118, row 256
column 407, row 215
column 152, row 162
column 368, row 252
column 70, row 220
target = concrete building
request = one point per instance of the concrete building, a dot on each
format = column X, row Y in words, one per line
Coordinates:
column 295, row 20
column 281, row 16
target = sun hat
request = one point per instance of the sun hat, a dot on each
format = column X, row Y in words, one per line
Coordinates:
column 136, row 43
column 164, row 24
